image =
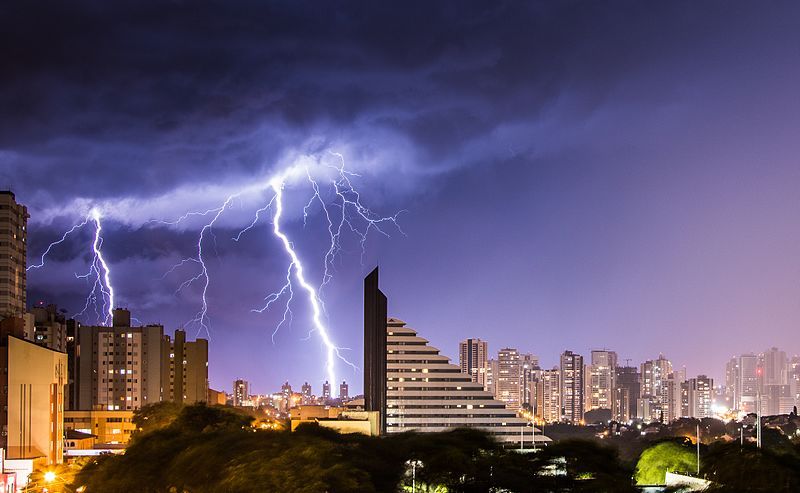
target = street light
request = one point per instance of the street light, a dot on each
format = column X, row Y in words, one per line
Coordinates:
column 414, row 464
column 49, row 476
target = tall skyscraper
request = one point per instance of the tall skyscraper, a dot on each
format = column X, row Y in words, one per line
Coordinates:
column 184, row 369
column 657, row 391
column 472, row 355
column 627, row 391
column 508, row 378
column 746, row 382
column 697, row 396
column 528, row 375
column 602, row 377
column 119, row 367
column 241, row 392
column 547, row 406
column 13, row 255
column 572, row 386
column 375, row 306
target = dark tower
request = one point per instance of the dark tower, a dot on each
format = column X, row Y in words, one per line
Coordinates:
column 375, row 348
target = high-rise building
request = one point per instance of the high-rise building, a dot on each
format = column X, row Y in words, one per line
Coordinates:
column 33, row 379
column 184, row 369
column 626, row 393
column 375, row 314
column 472, row 355
column 776, row 367
column 344, row 391
column 602, row 380
column 119, row 367
column 508, row 378
column 547, row 406
column 697, row 396
column 326, row 391
column 13, row 255
column 743, row 371
column 50, row 327
column 305, row 392
column 241, row 392
column 428, row 394
column 528, row 375
column 492, row 371
column 658, row 390
column 572, row 386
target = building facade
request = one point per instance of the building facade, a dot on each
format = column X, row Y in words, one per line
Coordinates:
column 119, row 367
column 572, row 387
column 34, row 381
column 602, row 380
column 473, row 357
column 184, row 369
column 13, row 256
column 507, row 381
column 241, row 392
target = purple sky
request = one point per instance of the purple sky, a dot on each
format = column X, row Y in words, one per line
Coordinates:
column 574, row 175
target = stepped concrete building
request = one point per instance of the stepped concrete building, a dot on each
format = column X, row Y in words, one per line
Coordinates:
column 426, row 393
column 420, row 389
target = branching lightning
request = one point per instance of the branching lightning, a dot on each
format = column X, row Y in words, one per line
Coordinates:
column 352, row 216
column 101, row 296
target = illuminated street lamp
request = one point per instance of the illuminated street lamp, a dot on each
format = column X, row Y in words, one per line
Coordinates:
column 49, row 476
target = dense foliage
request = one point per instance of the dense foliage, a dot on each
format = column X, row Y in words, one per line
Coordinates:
column 199, row 449
column 214, row 449
column 665, row 456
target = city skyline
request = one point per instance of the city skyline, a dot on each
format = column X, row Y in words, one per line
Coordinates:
column 581, row 183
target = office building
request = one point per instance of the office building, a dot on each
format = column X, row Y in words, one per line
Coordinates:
column 507, row 384
column 119, row 367
column 241, row 393
column 473, row 357
column 184, row 369
column 572, row 387
column 602, row 380
column 13, row 255
column 344, row 391
column 110, row 427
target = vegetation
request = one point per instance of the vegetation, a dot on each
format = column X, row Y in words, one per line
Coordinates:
column 199, row 449
column 669, row 456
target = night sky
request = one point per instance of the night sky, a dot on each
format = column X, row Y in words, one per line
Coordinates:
column 573, row 175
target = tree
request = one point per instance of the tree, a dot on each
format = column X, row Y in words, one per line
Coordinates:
column 665, row 456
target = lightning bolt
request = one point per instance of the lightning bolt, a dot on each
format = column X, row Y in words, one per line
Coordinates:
column 99, row 273
column 352, row 217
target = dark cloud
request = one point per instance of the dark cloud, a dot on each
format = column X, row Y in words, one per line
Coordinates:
column 550, row 124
